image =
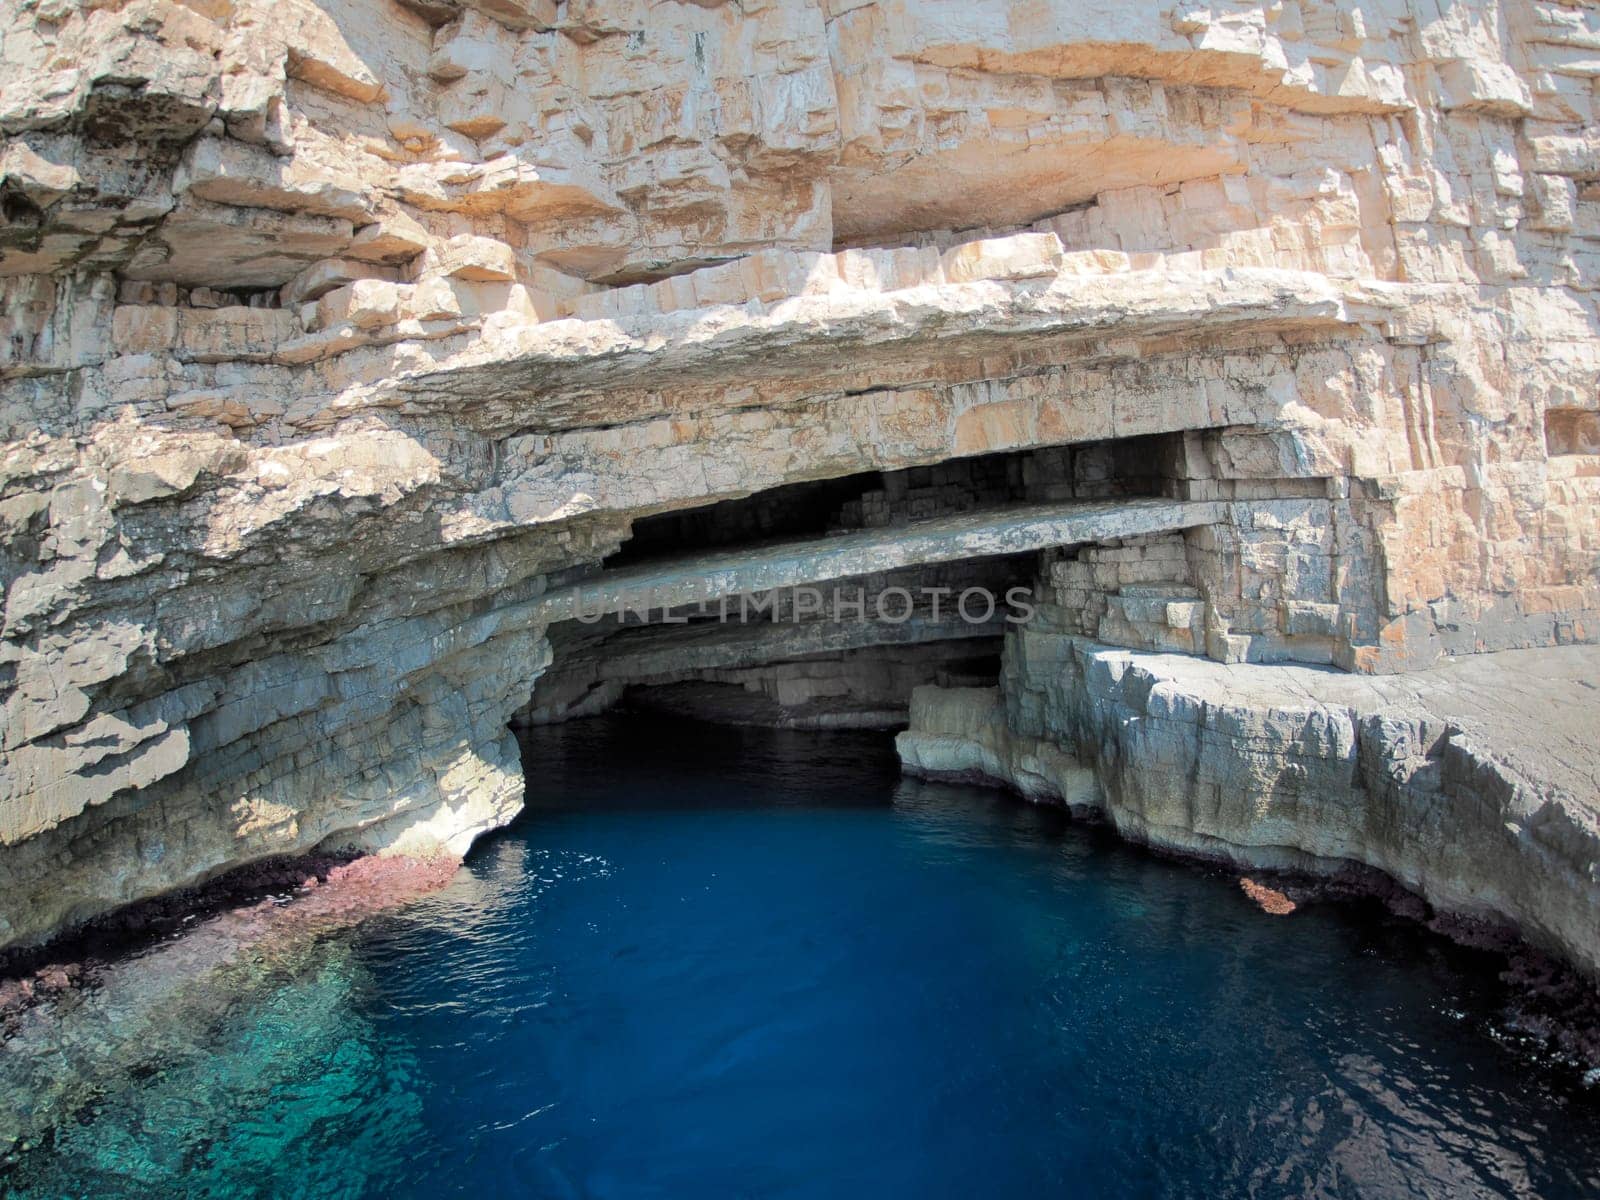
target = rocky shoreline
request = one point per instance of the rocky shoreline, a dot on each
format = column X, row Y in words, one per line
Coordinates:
column 1455, row 797
column 109, row 1004
column 278, row 900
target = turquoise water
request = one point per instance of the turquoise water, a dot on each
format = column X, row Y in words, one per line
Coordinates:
column 713, row 963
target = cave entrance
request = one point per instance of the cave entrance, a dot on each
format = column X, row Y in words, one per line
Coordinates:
column 822, row 604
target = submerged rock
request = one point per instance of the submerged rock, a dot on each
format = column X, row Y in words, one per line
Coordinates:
column 76, row 1030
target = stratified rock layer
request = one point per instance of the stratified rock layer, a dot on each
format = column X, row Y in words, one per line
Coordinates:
column 343, row 338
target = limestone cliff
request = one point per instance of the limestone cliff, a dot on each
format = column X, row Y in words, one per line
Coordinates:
column 342, row 335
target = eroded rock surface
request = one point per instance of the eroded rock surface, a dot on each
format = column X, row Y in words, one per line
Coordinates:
column 341, row 334
column 1473, row 783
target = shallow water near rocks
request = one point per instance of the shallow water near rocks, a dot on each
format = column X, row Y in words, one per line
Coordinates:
column 748, row 963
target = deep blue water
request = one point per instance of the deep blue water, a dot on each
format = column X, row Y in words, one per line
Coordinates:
column 714, row 963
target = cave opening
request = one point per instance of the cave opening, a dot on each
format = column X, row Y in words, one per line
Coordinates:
column 843, row 594
column 876, row 499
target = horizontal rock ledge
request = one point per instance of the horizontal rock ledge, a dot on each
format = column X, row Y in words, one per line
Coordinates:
column 943, row 539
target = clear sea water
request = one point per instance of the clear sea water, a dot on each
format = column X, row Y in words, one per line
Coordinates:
column 720, row 963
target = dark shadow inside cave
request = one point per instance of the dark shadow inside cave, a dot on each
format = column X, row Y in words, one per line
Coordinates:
column 770, row 658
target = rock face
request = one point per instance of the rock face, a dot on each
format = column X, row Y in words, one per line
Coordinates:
column 1474, row 784
column 344, row 337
